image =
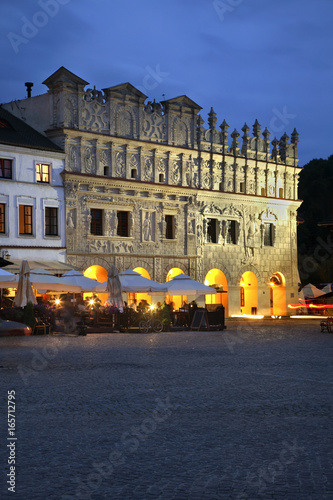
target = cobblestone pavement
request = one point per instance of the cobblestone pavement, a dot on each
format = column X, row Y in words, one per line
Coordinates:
column 240, row 414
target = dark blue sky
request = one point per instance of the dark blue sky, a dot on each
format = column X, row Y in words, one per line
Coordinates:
column 270, row 60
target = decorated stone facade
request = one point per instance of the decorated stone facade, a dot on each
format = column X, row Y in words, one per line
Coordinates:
column 147, row 185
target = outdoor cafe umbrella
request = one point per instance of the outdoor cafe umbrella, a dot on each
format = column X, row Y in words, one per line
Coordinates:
column 113, row 288
column 310, row 291
column 6, row 278
column 133, row 282
column 24, row 292
column 185, row 285
column 76, row 278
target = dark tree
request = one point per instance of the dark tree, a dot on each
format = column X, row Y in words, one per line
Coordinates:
column 315, row 234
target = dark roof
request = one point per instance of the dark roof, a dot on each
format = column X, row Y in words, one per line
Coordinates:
column 16, row 132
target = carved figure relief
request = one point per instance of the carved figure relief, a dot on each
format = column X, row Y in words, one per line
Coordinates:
column 175, row 173
column 89, row 161
column 252, row 232
column 148, row 170
column 147, row 227
column 120, row 164
column 113, row 223
column 73, row 165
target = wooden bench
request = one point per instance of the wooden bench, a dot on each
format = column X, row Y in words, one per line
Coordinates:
column 327, row 325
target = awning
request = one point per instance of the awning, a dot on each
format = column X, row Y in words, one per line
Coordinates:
column 54, row 266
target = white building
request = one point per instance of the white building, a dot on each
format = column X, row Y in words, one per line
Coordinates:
column 32, row 209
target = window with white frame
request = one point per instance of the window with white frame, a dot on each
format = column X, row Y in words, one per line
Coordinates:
column 51, row 221
column 26, row 219
column 43, row 172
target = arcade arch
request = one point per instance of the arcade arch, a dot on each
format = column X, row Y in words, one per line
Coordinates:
column 178, row 300
column 217, row 279
column 249, row 293
column 277, row 285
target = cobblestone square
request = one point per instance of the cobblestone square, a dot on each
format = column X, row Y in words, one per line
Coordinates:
column 241, row 414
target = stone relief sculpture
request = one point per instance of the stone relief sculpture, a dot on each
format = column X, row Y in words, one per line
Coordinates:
column 89, row 160
column 120, row 164
column 147, row 229
column 148, row 170
column 252, row 230
column 154, row 124
column 175, row 172
column 70, row 222
column 114, row 223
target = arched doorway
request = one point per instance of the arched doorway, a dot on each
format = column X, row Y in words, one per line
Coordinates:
column 277, row 284
column 100, row 274
column 140, row 296
column 178, row 300
column 249, row 293
column 217, row 280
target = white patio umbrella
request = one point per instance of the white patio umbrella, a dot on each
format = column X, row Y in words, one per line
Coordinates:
column 185, row 285
column 133, row 282
column 76, row 278
column 310, row 291
column 44, row 280
column 24, row 292
column 6, row 279
column 113, row 288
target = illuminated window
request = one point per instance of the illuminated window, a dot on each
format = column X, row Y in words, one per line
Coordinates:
column 96, row 224
column 51, row 221
column 42, row 172
column 212, row 231
column 268, row 234
column 6, row 168
column 123, row 223
column 25, row 219
column 2, row 218
column 169, row 227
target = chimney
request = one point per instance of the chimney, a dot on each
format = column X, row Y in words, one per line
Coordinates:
column 29, row 86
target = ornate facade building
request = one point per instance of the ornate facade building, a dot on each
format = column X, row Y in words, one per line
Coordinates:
column 148, row 186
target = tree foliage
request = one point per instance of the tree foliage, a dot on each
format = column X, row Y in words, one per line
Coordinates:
column 315, row 242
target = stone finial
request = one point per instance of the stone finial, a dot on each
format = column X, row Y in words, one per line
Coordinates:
column 224, row 128
column 256, row 129
column 200, row 128
column 275, row 150
column 266, row 133
column 246, row 139
column 212, row 119
column 294, row 137
column 234, row 148
column 283, row 146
